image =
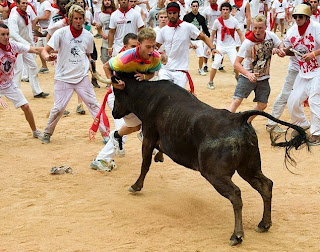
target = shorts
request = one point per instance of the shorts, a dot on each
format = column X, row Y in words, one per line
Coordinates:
column 200, row 47
column 104, row 55
column 245, row 87
column 131, row 120
column 15, row 95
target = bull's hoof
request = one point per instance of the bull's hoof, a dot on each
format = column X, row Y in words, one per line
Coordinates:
column 159, row 157
column 235, row 240
column 262, row 228
column 134, row 189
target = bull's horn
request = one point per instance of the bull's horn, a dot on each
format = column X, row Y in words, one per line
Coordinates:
column 101, row 79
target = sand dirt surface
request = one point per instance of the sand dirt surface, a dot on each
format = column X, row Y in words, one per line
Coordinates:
column 177, row 210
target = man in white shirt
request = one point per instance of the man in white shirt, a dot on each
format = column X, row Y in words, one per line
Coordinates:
column 256, row 51
column 74, row 45
column 8, row 52
column 20, row 26
column 280, row 14
column 315, row 10
column 124, row 20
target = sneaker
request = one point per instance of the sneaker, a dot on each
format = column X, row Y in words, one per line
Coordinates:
column 66, row 113
column 103, row 165
column 275, row 129
column 118, row 147
column 80, row 110
column 37, row 134
column 210, row 85
column 140, row 136
column 314, row 140
column 205, row 69
column 295, row 133
column 41, row 95
column 46, row 138
column 97, row 35
column 43, row 70
column 105, row 139
column 221, row 69
column 26, row 79
column 201, row 72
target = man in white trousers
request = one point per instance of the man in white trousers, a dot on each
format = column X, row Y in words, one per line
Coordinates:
column 74, row 45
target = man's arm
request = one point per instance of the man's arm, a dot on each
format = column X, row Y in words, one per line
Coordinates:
column 248, row 16
column 238, row 66
column 48, row 53
column 208, row 42
column 110, row 41
column 240, row 35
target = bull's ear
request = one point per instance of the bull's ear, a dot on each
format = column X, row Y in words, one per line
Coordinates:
column 114, row 79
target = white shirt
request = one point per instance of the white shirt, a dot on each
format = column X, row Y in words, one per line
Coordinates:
column 42, row 8
column 254, row 8
column 280, row 8
column 72, row 62
column 310, row 41
column 257, row 56
column 124, row 24
column 241, row 13
column 211, row 15
column 104, row 22
column 176, row 42
column 7, row 62
column 228, row 41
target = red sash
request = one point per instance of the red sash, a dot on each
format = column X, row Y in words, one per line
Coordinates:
column 225, row 29
column 189, row 80
column 238, row 3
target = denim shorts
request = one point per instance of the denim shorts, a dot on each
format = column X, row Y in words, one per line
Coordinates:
column 245, row 87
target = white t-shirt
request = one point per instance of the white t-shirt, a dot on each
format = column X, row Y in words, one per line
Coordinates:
column 210, row 15
column 176, row 42
column 280, row 8
column 72, row 62
column 89, row 21
column 42, row 8
column 104, row 22
column 241, row 13
column 309, row 42
column 7, row 62
column 254, row 8
column 315, row 18
column 124, row 24
column 228, row 41
column 257, row 56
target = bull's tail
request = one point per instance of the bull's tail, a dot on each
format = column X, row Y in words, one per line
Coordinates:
column 297, row 142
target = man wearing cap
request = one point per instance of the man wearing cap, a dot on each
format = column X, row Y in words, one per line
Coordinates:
column 303, row 37
column 176, row 37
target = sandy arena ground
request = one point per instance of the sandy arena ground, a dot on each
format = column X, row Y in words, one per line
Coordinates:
column 177, row 210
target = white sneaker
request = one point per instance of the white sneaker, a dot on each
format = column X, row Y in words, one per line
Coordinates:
column 275, row 129
column 140, row 136
column 210, row 85
column 201, row 72
column 118, row 147
column 37, row 134
column 103, row 165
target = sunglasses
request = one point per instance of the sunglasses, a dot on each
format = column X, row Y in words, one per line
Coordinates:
column 296, row 16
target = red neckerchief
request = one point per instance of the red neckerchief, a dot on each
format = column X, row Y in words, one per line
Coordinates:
column 61, row 14
column 238, row 3
column 6, row 48
column 108, row 11
column 24, row 15
column 176, row 25
column 225, row 29
column 280, row 1
column 249, row 35
column 214, row 7
column 140, row 60
column 5, row 4
column 53, row 5
column 124, row 12
column 75, row 33
column 122, row 49
column 317, row 13
column 182, row 3
column 302, row 29
column 95, row 125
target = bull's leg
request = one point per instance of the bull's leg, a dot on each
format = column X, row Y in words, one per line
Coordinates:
column 159, row 157
column 228, row 189
column 264, row 186
column 147, row 148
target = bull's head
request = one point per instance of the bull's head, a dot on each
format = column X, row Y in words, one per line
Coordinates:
column 121, row 103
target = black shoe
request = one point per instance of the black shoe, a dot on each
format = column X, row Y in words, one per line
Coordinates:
column 41, row 95
column 221, row 69
column 205, row 69
column 95, row 82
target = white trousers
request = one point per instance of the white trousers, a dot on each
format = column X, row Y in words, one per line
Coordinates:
column 177, row 77
column 230, row 51
column 107, row 153
column 62, row 94
column 282, row 99
column 302, row 89
column 30, row 60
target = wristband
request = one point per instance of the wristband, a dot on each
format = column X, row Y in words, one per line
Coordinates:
column 109, row 48
column 144, row 76
column 212, row 49
column 314, row 54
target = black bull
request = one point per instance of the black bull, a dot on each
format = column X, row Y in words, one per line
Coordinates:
column 214, row 142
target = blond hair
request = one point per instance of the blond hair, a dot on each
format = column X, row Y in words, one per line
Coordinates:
column 75, row 8
column 162, row 12
column 260, row 18
column 146, row 33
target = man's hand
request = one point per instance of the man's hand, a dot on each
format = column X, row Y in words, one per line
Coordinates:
column 139, row 76
column 52, row 57
column 280, row 52
column 3, row 103
column 307, row 56
column 119, row 84
column 252, row 77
